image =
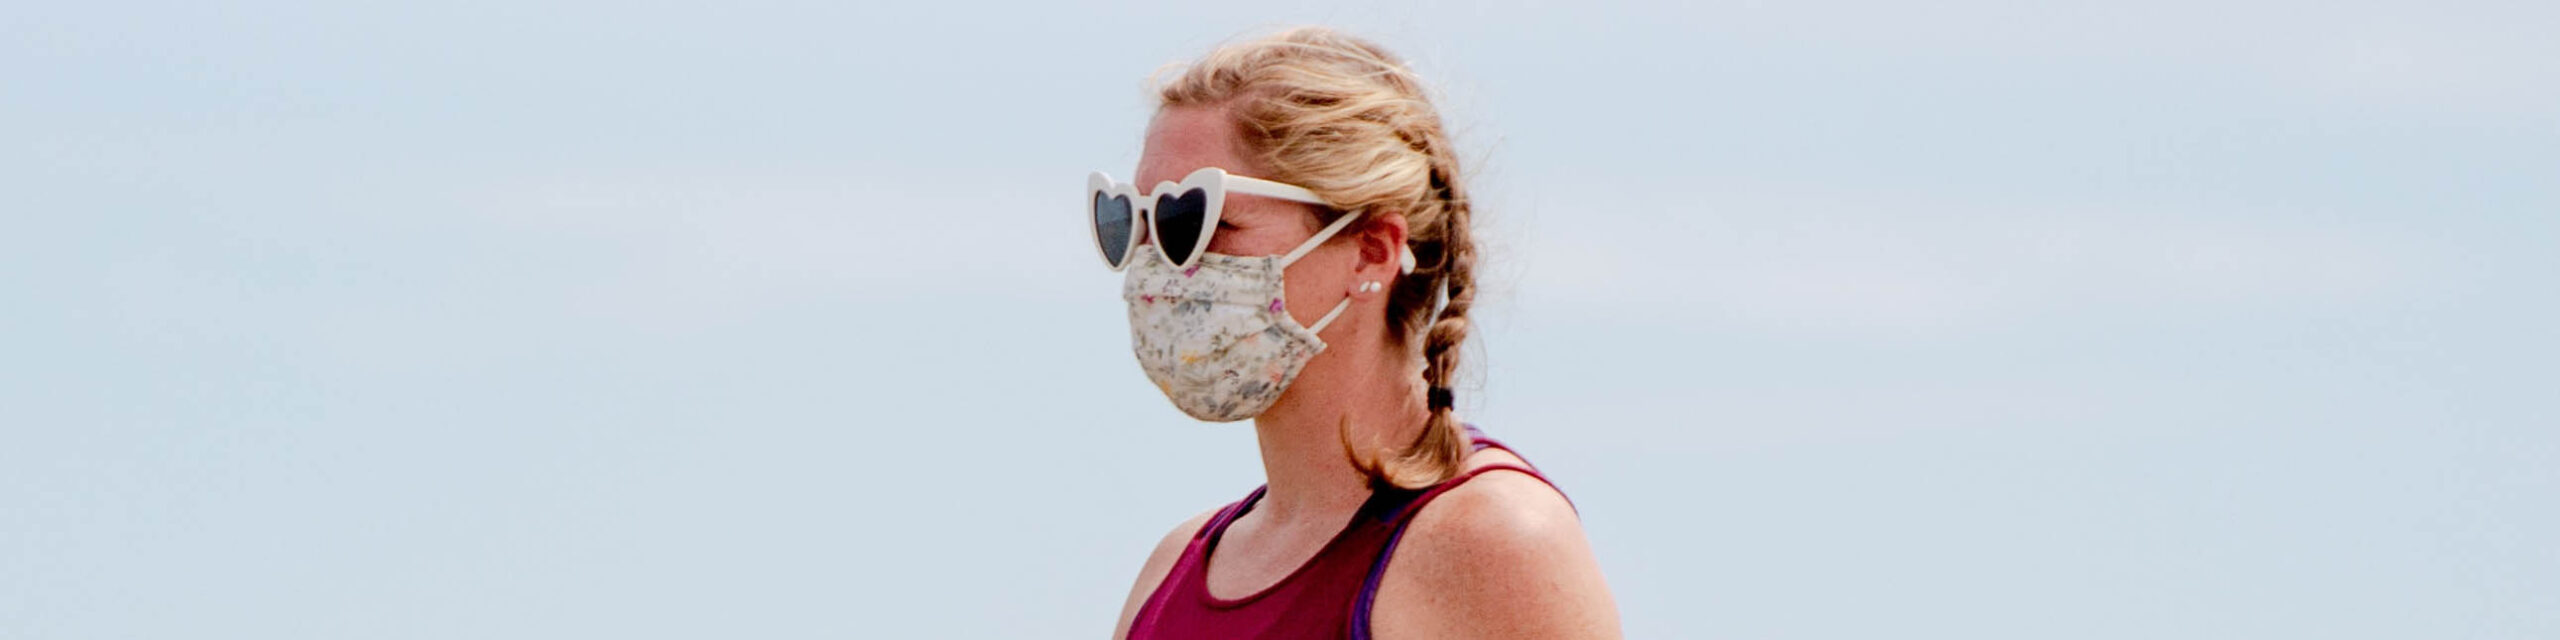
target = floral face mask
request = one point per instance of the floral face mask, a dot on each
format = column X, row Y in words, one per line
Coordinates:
column 1215, row 336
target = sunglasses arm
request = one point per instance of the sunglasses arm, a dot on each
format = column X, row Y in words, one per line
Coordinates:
column 1269, row 189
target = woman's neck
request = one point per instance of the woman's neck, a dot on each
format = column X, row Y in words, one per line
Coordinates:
column 1312, row 480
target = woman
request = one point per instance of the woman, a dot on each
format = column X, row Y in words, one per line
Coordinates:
column 1306, row 176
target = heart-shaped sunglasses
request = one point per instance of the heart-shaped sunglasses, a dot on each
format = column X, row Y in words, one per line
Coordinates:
column 1179, row 216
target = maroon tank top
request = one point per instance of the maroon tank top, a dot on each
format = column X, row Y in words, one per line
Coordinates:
column 1328, row 597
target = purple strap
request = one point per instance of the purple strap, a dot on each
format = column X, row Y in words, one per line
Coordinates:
column 1368, row 598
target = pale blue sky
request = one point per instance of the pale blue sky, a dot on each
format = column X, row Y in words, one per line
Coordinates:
column 1838, row 320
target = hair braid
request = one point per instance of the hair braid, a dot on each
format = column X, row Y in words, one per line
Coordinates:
column 1442, row 448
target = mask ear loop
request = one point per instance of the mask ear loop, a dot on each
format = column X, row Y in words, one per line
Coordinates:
column 1329, row 315
column 1327, row 234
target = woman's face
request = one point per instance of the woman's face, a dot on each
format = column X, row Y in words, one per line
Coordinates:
column 1184, row 139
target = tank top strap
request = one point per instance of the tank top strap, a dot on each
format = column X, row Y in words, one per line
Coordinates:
column 1228, row 514
column 1478, row 441
column 1404, row 517
column 1329, row 595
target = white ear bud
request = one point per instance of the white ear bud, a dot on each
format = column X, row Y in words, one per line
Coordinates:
column 1404, row 262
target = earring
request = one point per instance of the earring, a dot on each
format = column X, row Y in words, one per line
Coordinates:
column 1371, row 287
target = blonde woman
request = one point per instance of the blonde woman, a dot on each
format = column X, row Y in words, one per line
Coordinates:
column 1299, row 251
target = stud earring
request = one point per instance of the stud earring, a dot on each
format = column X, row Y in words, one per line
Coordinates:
column 1371, row 287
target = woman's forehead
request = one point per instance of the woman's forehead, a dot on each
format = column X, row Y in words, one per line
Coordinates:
column 1181, row 140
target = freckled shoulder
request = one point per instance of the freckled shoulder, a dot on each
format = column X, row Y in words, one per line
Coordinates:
column 1502, row 555
column 1497, row 516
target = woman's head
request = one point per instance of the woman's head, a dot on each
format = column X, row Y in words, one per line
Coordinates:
column 1345, row 119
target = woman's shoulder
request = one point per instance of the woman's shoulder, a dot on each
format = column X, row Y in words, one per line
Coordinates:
column 1170, row 548
column 1501, row 552
column 1160, row 564
column 1495, row 512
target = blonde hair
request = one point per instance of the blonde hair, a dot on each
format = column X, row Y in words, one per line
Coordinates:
column 1347, row 120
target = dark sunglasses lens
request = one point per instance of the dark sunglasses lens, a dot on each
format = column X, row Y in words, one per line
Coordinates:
column 1111, row 222
column 1178, row 220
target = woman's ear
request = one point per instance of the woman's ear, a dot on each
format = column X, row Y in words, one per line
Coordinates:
column 1382, row 245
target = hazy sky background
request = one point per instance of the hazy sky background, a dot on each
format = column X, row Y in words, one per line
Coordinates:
column 1837, row 320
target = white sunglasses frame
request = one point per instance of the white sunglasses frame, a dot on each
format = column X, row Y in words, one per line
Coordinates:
column 1211, row 181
